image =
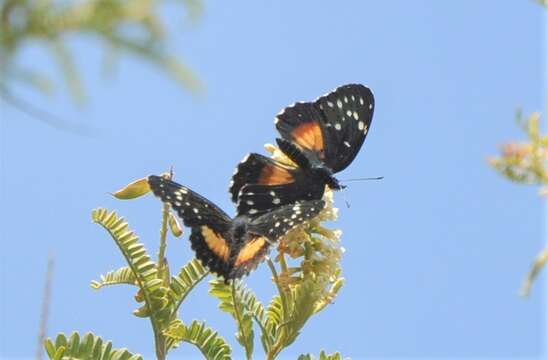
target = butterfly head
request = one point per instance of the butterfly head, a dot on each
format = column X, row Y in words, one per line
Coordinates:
column 326, row 175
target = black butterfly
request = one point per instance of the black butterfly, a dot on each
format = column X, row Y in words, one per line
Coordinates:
column 230, row 247
column 320, row 137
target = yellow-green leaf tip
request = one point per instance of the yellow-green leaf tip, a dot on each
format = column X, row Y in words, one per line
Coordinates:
column 133, row 190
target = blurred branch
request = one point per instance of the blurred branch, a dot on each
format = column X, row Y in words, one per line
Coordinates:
column 121, row 27
column 44, row 116
column 45, row 308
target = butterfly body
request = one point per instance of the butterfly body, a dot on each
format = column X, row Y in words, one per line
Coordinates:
column 230, row 247
column 321, row 138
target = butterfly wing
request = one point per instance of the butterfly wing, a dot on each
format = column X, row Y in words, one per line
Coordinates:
column 209, row 224
column 261, row 183
column 333, row 128
column 212, row 249
column 256, row 199
column 192, row 208
column 248, row 256
column 280, row 221
column 267, row 229
column 259, row 169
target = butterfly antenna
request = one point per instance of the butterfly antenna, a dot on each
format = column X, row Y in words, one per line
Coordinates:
column 363, row 179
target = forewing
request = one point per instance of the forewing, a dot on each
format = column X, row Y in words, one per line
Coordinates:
column 333, row 127
column 277, row 223
column 192, row 208
column 347, row 113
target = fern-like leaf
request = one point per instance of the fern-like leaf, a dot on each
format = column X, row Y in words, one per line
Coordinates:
column 329, row 296
column 123, row 275
column 187, row 278
column 275, row 311
column 323, row 356
column 231, row 297
column 304, row 301
column 212, row 345
column 90, row 347
column 143, row 268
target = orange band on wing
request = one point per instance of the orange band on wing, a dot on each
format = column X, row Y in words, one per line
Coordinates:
column 274, row 175
column 250, row 250
column 216, row 243
column 309, row 135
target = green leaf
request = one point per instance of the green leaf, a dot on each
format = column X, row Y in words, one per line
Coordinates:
column 323, row 356
column 329, row 296
column 212, row 345
column 304, row 301
column 187, row 278
column 90, row 347
column 133, row 190
column 538, row 265
column 144, row 270
column 123, row 275
column 243, row 306
column 174, row 226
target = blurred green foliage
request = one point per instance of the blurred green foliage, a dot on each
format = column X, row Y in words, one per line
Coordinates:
column 527, row 163
column 121, row 27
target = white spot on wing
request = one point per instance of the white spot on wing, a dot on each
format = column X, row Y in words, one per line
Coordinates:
column 339, row 104
column 245, row 158
column 370, row 106
column 253, row 211
column 249, row 202
column 195, row 210
column 346, row 143
column 355, row 114
column 348, row 113
column 338, row 126
column 361, row 125
column 330, row 104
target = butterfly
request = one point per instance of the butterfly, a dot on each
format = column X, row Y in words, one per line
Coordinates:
column 230, row 247
column 320, row 138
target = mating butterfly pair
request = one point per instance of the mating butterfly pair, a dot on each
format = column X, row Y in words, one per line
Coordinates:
column 320, row 138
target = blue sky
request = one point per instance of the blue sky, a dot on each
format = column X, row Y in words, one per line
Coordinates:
column 436, row 251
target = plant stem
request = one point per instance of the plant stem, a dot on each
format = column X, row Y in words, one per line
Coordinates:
column 277, row 347
column 45, row 308
column 283, row 263
column 248, row 353
column 159, row 338
column 163, row 237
